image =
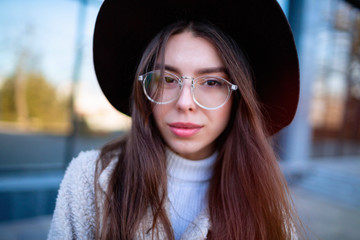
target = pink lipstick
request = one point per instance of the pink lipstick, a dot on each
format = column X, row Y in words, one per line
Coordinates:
column 184, row 130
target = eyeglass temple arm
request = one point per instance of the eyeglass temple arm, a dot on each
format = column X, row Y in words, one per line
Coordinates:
column 234, row 87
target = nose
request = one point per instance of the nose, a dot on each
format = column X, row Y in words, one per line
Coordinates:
column 185, row 102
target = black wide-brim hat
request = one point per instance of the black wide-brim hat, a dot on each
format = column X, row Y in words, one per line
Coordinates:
column 125, row 27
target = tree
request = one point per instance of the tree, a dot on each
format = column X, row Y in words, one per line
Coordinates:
column 44, row 110
column 7, row 100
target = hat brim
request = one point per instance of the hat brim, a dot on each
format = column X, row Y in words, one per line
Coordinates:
column 124, row 28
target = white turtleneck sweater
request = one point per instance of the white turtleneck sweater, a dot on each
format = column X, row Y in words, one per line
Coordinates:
column 188, row 182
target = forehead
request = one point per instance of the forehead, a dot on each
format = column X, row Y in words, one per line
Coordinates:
column 189, row 53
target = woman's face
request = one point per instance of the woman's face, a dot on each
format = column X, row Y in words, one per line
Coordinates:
column 188, row 129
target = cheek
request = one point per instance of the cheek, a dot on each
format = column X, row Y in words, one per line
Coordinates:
column 222, row 116
column 159, row 112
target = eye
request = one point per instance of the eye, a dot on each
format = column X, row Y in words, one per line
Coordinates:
column 212, row 82
column 168, row 79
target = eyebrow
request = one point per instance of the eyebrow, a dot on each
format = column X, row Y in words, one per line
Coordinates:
column 212, row 70
column 199, row 71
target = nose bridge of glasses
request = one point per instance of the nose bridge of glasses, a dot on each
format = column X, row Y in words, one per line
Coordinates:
column 186, row 92
column 189, row 78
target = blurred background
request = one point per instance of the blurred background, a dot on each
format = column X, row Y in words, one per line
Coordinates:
column 51, row 108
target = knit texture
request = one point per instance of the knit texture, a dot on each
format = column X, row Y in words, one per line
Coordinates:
column 74, row 215
column 188, row 182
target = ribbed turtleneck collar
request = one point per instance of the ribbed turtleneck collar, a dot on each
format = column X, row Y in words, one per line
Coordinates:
column 189, row 170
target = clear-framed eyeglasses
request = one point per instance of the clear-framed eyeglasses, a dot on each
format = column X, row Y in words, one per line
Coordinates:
column 208, row 92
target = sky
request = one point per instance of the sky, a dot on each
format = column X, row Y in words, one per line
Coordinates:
column 46, row 28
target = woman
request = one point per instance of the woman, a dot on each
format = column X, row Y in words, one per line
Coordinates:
column 214, row 82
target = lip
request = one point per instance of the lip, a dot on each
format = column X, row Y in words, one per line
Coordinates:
column 184, row 130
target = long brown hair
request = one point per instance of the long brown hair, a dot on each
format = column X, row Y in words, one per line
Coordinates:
column 247, row 198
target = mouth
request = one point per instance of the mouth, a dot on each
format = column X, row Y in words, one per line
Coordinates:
column 184, row 130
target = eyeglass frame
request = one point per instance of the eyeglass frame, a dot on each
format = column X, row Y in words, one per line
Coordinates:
column 231, row 88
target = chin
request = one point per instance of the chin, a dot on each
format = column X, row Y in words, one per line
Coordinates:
column 189, row 151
